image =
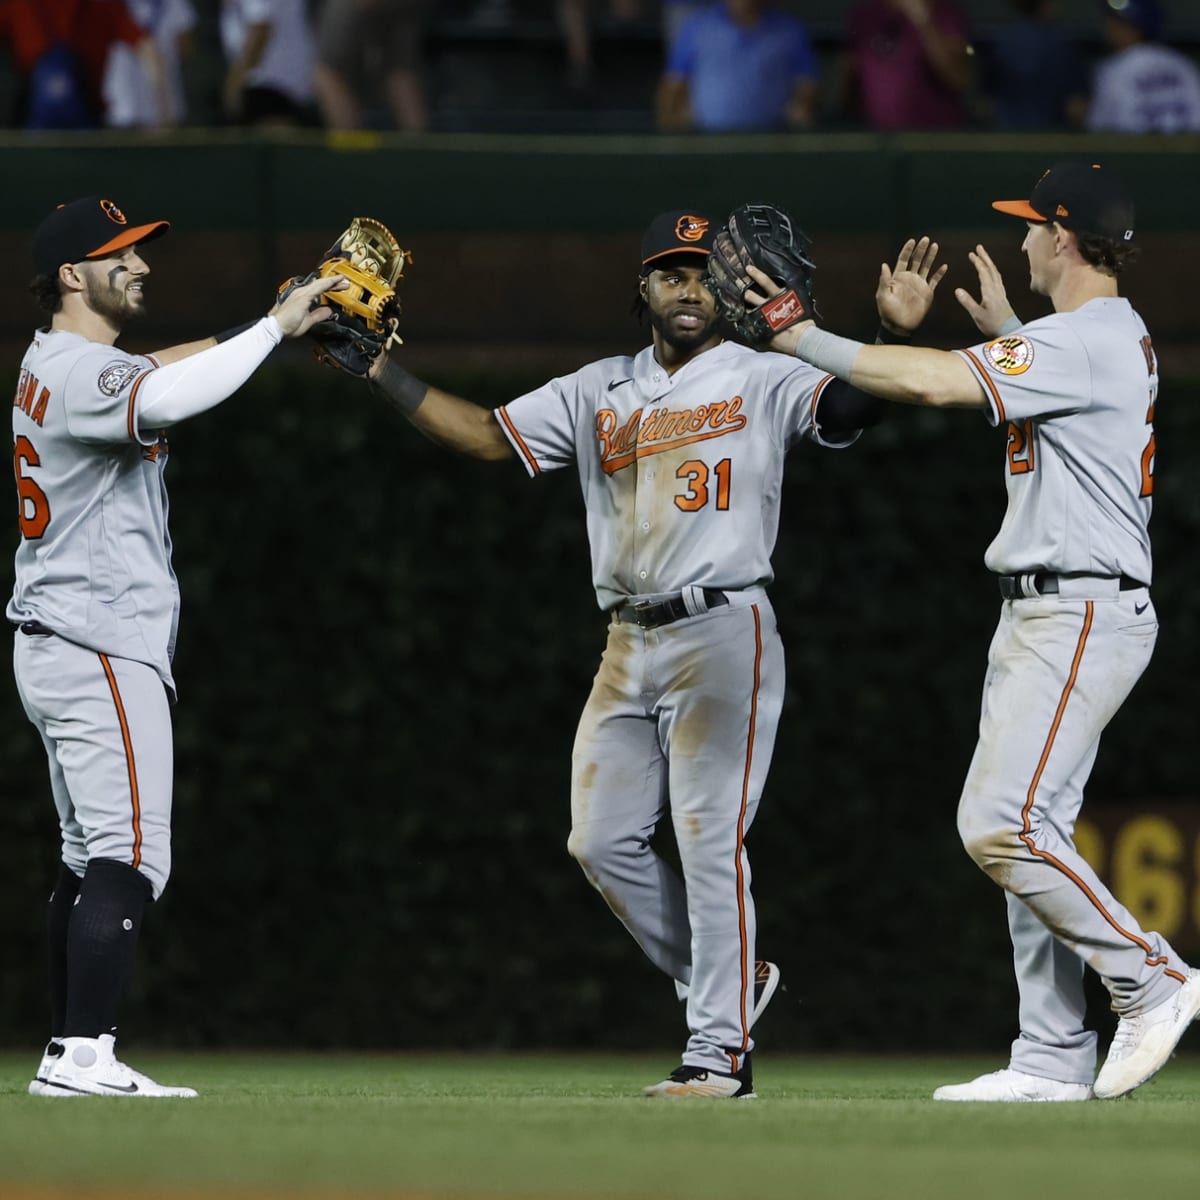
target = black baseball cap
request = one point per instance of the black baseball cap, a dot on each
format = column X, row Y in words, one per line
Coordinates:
column 679, row 231
column 1081, row 196
column 89, row 228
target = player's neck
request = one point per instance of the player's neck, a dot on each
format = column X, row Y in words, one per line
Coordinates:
column 672, row 357
column 78, row 319
column 1077, row 288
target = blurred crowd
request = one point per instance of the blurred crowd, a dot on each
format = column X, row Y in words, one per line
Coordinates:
column 732, row 65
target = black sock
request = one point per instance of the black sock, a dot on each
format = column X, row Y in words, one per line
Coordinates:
column 58, row 920
column 101, row 943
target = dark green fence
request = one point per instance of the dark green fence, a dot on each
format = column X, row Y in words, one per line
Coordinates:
column 384, row 649
column 383, row 653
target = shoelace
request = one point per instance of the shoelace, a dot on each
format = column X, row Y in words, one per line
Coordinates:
column 1128, row 1030
column 689, row 1074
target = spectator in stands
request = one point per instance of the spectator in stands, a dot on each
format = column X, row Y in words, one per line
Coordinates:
column 59, row 51
column 675, row 14
column 269, row 55
column 131, row 98
column 575, row 25
column 1036, row 77
column 1143, row 86
column 739, row 65
column 909, row 63
column 361, row 43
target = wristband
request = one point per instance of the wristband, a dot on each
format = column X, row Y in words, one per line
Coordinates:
column 400, row 387
column 226, row 334
column 885, row 337
column 828, row 352
column 1010, row 326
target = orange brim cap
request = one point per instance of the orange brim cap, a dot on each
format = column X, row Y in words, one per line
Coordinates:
column 1018, row 208
column 130, row 237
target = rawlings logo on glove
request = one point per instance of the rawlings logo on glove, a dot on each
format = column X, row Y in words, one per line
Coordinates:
column 366, row 313
column 762, row 236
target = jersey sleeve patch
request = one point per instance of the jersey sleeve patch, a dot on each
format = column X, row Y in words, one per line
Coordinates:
column 1011, row 355
column 115, row 377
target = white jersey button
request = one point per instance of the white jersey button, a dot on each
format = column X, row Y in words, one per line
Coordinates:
column 641, row 574
column 645, row 524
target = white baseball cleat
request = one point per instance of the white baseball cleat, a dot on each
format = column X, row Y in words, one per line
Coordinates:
column 1014, row 1087
column 53, row 1053
column 698, row 1083
column 89, row 1067
column 766, row 980
column 1142, row 1044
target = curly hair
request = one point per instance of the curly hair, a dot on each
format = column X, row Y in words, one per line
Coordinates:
column 1105, row 254
column 46, row 294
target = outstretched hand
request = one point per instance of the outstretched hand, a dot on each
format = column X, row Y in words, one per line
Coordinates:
column 992, row 309
column 765, row 288
column 905, row 292
column 295, row 313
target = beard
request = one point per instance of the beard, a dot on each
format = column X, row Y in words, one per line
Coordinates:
column 679, row 339
column 112, row 303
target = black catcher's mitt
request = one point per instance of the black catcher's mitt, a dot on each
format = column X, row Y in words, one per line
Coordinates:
column 366, row 314
column 763, row 236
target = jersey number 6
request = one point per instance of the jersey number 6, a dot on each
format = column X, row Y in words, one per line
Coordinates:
column 33, row 509
column 696, row 474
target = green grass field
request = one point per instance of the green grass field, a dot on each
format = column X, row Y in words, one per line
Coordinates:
column 482, row 1127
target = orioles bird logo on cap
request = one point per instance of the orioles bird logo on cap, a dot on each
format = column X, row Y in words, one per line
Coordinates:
column 690, row 229
column 112, row 212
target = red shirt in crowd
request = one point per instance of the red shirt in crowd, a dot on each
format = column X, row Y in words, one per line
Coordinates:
column 31, row 27
column 898, row 87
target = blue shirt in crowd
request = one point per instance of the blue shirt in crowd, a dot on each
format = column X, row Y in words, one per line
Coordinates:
column 741, row 77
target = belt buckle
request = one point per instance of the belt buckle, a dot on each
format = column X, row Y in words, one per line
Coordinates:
column 645, row 613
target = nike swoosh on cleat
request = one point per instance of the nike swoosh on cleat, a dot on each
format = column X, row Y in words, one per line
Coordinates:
column 129, row 1088
column 616, row 383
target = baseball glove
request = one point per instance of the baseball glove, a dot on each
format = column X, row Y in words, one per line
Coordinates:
column 366, row 314
column 765, row 237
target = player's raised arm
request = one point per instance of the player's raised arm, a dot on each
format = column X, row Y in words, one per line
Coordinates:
column 197, row 382
column 907, row 374
column 359, row 325
column 449, row 420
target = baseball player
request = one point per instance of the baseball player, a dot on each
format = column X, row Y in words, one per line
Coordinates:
column 1075, row 394
column 95, row 606
column 680, row 453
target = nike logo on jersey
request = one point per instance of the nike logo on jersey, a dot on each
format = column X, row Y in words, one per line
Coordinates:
column 1141, row 608
column 663, row 429
column 616, row 383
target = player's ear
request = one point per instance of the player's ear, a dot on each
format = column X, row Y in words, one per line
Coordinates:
column 644, row 288
column 70, row 278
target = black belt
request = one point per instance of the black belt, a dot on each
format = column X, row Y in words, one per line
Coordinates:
column 34, row 628
column 650, row 614
column 1013, row 587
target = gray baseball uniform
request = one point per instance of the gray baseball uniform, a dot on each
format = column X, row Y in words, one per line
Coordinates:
column 681, row 477
column 93, row 570
column 1076, row 391
column 96, row 602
